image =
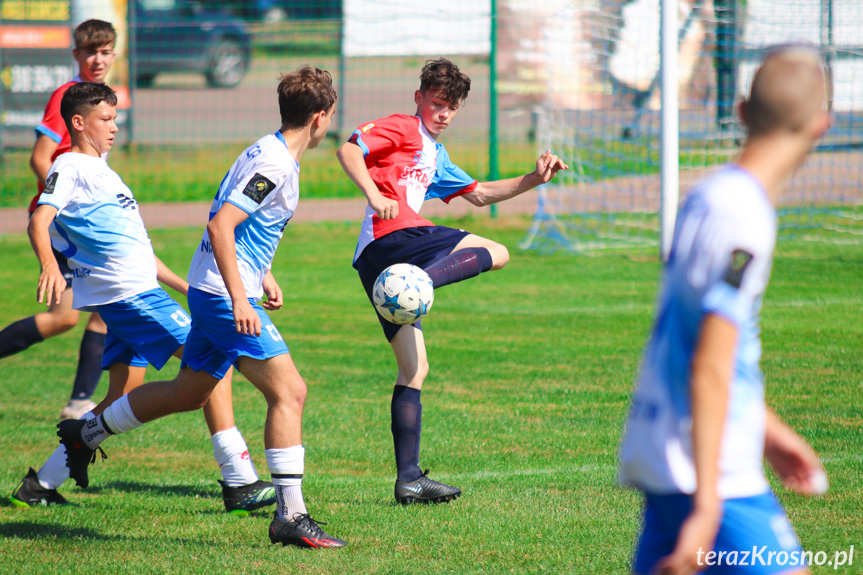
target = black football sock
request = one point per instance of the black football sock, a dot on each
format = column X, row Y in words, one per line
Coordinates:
column 459, row 265
column 406, row 411
column 89, row 365
column 19, row 336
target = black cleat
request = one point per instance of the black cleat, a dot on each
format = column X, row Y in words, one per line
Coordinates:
column 30, row 493
column 241, row 500
column 425, row 490
column 302, row 531
column 78, row 454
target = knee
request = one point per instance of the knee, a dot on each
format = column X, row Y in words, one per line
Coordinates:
column 61, row 322
column 499, row 256
column 292, row 396
column 415, row 377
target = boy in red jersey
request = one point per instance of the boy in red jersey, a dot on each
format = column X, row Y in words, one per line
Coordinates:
column 94, row 52
column 398, row 164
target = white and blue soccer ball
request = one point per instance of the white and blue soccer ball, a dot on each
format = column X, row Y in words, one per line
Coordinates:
column 403, row 294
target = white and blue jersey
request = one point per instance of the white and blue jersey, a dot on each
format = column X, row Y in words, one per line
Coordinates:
column 99, row 230
column 264, row 183
column 719, row 264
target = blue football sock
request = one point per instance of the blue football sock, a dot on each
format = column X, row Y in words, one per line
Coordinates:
column 89, row 365
column 19, row 336
column 459, row 265
column 406, row 411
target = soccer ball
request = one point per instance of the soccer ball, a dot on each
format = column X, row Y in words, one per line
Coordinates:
column 403, row 294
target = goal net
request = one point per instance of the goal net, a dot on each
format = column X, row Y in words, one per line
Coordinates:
column 602, row 103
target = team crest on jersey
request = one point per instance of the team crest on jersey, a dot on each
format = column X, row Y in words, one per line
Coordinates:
column 739, row 261
column 367, row 127
column 50, row 183
column 258, row 188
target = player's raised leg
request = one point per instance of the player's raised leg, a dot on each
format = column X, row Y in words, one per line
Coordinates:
column 412, row 485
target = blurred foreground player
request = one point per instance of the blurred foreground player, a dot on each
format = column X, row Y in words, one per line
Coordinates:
column 698, row 427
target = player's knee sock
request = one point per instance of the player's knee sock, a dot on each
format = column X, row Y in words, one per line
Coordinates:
column 54, row 472
column 406, row 411
column 459, row 265
column 286, row 469
column 89, row 365
column 19, row 336
column 117, row 418
column 232, row 455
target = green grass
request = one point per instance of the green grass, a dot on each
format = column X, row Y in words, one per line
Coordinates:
column 531, row 369
column 189, row 174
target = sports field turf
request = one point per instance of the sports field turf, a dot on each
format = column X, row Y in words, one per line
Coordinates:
column 531, row 368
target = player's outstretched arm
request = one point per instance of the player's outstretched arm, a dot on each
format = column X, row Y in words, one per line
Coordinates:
column 792, row 458
column 167, row 276
column 40, row 159
column 710, row 382
column 351, row 158
column 51, row 280
column 221, row 231
column 487, row 193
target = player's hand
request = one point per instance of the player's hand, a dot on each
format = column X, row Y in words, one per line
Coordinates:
column 794, row 461
column 386, row 208
column 696, row 538
column 51, row 283
column 547, row 167
column 273, row 292
column 246, row 320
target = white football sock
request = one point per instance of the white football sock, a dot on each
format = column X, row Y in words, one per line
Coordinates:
column 119, row 417
column 54, row 471
column 286, row 468
column 232, row 455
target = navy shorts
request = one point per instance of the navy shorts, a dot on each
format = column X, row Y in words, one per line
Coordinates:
column 420, row 246
column 755, row 536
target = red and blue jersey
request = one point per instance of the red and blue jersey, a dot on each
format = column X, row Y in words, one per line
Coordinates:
column 54, row 127
column 408, row 166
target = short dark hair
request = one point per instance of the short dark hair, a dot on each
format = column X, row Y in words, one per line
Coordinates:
column 82, row 97
column 443, row 76
column 304, row 93
column 788, row 88
column 94, row 33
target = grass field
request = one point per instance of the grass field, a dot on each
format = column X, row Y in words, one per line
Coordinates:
column 531, row 369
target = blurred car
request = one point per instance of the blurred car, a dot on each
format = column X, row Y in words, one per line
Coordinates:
column 279, row 10
column 186, row 36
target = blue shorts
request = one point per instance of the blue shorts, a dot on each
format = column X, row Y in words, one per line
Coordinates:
column 146, row 328
column 755, row 536
column 214, row 345
column 420, row 246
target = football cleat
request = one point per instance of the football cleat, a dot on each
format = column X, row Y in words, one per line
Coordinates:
column 302, row 531
column 78, row 454
column 241, row 500
column 425, row 490
column 30, row 493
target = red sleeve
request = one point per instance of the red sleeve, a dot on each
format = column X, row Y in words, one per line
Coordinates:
column 384, row 135
column 52, row 124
